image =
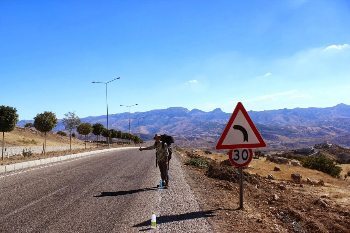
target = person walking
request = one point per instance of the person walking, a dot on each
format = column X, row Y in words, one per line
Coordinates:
column 162, row 161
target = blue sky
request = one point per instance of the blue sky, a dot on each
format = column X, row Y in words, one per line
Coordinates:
column 196, row 54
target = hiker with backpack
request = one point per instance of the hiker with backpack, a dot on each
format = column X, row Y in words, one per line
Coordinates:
column 162, row 156
column 168, row 140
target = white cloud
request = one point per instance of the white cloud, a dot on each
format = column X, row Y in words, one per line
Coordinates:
column 193, row 81
column 196, row 86
column 337, row 47
column 267, row 74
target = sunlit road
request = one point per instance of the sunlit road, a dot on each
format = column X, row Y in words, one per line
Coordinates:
column 111, row 192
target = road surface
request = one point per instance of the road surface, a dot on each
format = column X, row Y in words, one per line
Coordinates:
column 110, row 192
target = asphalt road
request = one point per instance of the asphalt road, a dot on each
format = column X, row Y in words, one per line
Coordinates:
column 110, row 192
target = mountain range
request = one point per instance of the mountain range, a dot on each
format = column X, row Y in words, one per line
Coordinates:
column 283, row 128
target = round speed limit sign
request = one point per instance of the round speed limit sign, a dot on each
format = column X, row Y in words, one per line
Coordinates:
column 240, row 157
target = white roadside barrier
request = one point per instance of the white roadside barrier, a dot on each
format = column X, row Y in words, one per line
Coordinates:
column 39, row 162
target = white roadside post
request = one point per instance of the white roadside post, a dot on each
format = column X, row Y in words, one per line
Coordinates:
column 240, row 136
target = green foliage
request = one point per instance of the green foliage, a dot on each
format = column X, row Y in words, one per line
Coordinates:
column 119, row 134
column 97, row 129
column 84, row 128
column 61, row 133
column 8, row 118
column 45, row 122
column 105, row 133
column 323, row 164
column 137, row 139
column 197, row 162
column 71, row 121
column 123, row 135
column 28, row 125
column 113, row 133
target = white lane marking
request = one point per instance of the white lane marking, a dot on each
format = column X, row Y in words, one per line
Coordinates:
column 31, row 204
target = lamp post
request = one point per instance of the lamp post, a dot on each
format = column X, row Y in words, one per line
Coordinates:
column 129, row 106
column 138, row 125
column 106, row 83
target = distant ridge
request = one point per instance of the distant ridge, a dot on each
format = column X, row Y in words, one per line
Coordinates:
column 282, row 128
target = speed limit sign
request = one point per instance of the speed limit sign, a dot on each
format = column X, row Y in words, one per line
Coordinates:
column 240, row 157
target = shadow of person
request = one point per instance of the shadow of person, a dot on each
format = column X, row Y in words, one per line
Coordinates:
column 126, row 192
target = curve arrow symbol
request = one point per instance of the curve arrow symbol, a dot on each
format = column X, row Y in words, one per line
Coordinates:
column 243, row 130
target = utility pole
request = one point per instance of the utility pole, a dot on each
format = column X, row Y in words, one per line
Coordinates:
column 129, row 106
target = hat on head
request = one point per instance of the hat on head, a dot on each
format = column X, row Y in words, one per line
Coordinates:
column 155, row 136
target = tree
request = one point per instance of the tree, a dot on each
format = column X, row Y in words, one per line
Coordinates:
column 45, row 122
column 322, row 163
column 71, row 122
column 8, row 121
column 137, row 139
column 97, row 130
column 119, row 134
column 106, row 134
column 113, row 133
column 84, row 129
column 28, row 125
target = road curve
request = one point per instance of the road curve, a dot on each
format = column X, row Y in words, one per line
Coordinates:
column 111, row 192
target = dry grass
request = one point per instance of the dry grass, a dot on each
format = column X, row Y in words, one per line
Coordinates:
column 31, row 137
column 264, row 168
column 345, row 169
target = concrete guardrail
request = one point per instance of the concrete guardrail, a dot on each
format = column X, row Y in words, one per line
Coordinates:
column 39, row 162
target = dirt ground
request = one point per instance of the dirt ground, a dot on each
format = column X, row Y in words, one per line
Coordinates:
column 278, row 205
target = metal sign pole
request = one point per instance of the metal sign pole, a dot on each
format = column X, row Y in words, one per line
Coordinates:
column 241, row 188
column 238, row 156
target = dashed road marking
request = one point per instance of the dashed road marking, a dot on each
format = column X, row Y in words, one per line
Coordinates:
column 31, row 204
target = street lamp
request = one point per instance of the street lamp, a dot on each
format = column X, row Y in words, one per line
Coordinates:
column 138, row 125
column 129, row 106
column 106, row 83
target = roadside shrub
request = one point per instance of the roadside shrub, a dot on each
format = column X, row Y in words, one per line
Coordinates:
column 323, row 164
column 61, row 133
column 226, row 162
column 27, row 153
column 223, row 172
column 217, row 171
column 197, row 162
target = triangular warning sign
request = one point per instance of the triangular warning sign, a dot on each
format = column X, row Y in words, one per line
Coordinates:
column 240, row 132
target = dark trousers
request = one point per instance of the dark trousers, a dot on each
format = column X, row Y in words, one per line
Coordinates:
column 163, row 168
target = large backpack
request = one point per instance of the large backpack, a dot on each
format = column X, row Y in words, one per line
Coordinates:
column 167, row 139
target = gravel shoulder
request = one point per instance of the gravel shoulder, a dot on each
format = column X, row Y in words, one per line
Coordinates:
column 269, row 205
